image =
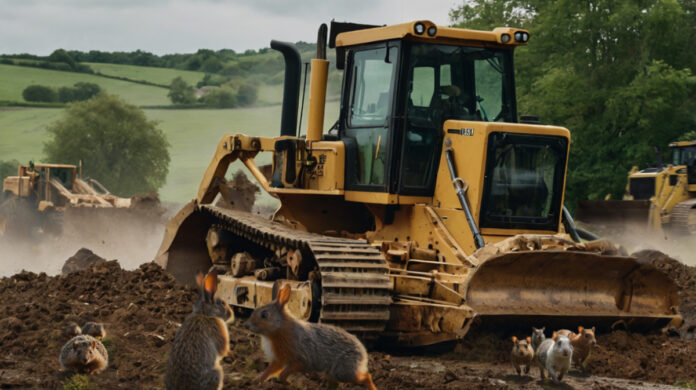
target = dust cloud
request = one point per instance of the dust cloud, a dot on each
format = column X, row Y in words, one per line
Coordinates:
column 131, row 236
column 636, row 237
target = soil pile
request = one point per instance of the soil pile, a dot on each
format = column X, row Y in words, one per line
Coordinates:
column 84, row 258
column 142, row 310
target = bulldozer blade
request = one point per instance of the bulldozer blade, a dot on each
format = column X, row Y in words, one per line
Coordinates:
column 564, row 287
column 615, row 213
column 183, row 251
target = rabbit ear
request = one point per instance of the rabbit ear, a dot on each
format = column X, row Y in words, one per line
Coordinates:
column 529, row 339
column 93, row 344
column 580, row 328
column 554, row 336
column 211, row 282
column 593, row 329
column 275, row 289
column 199, row 280
column 514, row 339
column 284, row 295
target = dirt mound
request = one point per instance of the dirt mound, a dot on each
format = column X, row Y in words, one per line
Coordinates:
column 83, row 259
column 142, row 309
column 684, row 277
column 242, row 191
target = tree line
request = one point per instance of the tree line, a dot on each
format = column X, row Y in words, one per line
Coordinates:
column 617, row 73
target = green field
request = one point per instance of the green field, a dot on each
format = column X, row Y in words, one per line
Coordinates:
column 193, row 135
column 162, row 76
column 13, row 80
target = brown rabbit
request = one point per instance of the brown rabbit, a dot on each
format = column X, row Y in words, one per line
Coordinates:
column 293, row 345
column 200, row 343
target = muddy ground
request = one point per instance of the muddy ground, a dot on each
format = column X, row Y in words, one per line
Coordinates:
column 143, row 308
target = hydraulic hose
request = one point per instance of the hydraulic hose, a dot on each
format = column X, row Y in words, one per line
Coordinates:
column 461, row 194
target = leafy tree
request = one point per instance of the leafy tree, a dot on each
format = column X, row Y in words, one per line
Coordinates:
column 180, row 92
column 115, row 141
column 688, row 136
column 39, row 93
column 61, row 55
column 617, row 73
column 79, row 92
column 247, row 94
column 220, row 98
column 211, row 65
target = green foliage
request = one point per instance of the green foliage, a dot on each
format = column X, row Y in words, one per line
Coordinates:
column 618, row 74
column 39, row 93
column 247, row 94
column 180, row 92
column 222, row 97
column 77, row 93
column 211, row 65
column 77, row 382
column 688, row 136
column 116, row 143
column 61, row 55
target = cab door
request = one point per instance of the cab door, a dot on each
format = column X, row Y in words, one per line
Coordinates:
column 367, row 112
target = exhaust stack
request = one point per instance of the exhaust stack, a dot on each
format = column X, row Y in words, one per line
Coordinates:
column 291, row 87
column 317, row 89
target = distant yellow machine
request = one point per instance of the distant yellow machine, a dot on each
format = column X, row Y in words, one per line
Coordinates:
column 662, row 198
column 40, row 193
column 426, row 205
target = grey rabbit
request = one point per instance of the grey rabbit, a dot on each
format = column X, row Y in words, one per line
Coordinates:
column 201, row 342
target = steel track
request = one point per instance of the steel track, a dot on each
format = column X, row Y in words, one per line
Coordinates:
column 355, row 285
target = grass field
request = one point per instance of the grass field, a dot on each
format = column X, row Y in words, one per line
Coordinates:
column 154, row 75
column 13, row 80
column 193, row 135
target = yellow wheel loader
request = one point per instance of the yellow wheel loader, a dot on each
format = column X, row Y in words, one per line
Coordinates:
column 661, row 199
column 42, row 196
column 426, row 205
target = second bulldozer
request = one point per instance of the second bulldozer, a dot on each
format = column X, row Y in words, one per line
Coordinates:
column 427, row 204
column 659, row 199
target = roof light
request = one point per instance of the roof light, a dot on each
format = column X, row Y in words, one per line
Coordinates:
column 419, row 28
column 505, row 38
column 518, row 36
column 432, row 30
column 525, row 37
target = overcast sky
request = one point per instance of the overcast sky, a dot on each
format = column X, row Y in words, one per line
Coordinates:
column 184, row 26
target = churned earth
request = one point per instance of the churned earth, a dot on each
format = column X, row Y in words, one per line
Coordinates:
column 143, row 308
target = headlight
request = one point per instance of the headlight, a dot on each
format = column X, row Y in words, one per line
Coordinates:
column 505, row 38
column 432, row 30
column 419, row 28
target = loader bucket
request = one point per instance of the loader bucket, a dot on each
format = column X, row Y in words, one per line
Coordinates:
column 565, row 287
column 183, row 252
column 613, row 213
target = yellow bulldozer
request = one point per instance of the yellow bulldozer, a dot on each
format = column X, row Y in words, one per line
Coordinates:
column 39, row 197
column 661, row 199
column 426, row 205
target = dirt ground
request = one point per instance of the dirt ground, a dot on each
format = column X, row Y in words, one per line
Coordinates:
column 143, row 308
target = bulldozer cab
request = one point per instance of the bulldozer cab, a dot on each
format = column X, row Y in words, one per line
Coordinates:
column 400, row 92
column 684, row 153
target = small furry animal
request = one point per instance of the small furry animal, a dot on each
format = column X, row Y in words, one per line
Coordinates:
column 292, row 345
column 201, row 342
column 554, row 355
column 537, row 337
column 71, row 329
column 84, row 354
column 582, row 343
column 94, row 329
column 522, row 354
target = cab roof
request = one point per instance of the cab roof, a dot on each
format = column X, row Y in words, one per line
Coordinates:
column 682, row 143
column 500, row 35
